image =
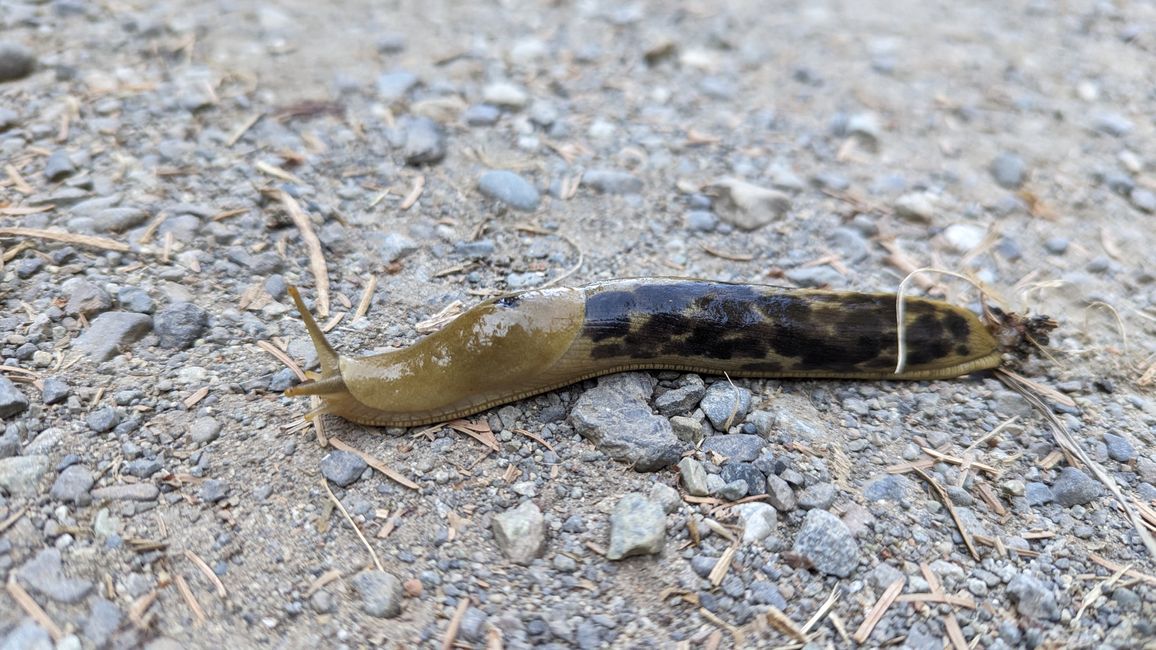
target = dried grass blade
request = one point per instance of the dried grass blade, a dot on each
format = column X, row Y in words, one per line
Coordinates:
column 33, row 609
column 313, row 244
column 375, row 463
column 877, row 612
column 66, row 237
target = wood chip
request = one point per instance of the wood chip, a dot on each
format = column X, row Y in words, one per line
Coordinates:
column 451, row 634
column 366, row 297
column 21, row 211
column 951, row 624
column 375, row 463
column 277, row 172
column 313, row 244
column 723, row 565
column 190, row 598
column 138, row 611
column 12, row 519
column 322, row 580
column 18, row 181
column 66, row 237
column 34, row 611
column 414, row 193
column 199, row 395
column 783, row 623
column 877, row 612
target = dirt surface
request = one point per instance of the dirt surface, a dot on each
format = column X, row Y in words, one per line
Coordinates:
column 166, row 494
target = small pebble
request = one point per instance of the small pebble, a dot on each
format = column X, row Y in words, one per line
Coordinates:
column 179, row 325
column 16, row 61
column 520, row 533
column 511, row 189
column 1009, row 170
column 381, row 593
column 637, row 527
column 342, row 467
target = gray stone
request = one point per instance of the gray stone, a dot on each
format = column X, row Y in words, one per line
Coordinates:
column 701, row 220
column 505, row 95
column 765, row 593
column 425, row 141
column 205, row 429
column 637, row 527
column 732, row 490
column 45, row 574
column 213, row 490
column 1120, row 449
column 103, row 419
column 118, row 219
column 819, row 495
column 683, row 399
column 735, row 447
column 1073, row 487
column 473, row 626
column 815, row 276
column 851, row 243
column 1033, row 598
column 687, row 429
column 888, row 487
column 665, row 496
column 612, row 181
column 1112, row 123
column 780, row 495
column 827, row 544
column 615, row 415
column 342, row 467
column 1037, row 494
column 16, row 61
column 1143, row 199
column 19, row 475
column 10, row 442
column 1056, row 245
column 511, row 189
column 103, row 621
column 112, row 332
column 87, row 299
column 8, row 119
column 55, row 390
column 58, row 166
column 12, row 399
column 380, row 593
column 759, row 520
column 27, row 635
column 521, row 533
column 918, row 207
column 482, row 115
column 394, row 85
column 725, row 405
column 866, row 127
column 693, row 476
column 747, row 206
column 135, row 299
column 143, row 467
column 756, row 481
column 394, row 246
column 127, row 492
column 179, row 325
column 73, row 484
column 1009, row 170
column 883, row 575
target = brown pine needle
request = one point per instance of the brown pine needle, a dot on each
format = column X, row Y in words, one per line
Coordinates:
column 414, row 193
column 34, row 611
column 943, row 496
column 375, row 463
column 352, row 524
column 451, row 634
column 190, row 598
column 316, row 255
column 877, row 612
column 723, row 565
column 366, row 297
column 322, row 580
column 783, row 623
column 207, row 572
column 66, row 237
column 283, row 358
column 951, row 624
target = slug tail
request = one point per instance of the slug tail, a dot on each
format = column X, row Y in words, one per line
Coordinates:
column 325, row 351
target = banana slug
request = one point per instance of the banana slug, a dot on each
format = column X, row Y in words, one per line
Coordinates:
column 531, row 342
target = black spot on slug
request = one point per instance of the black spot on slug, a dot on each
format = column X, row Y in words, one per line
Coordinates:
column 962, row 350
column 818, row 331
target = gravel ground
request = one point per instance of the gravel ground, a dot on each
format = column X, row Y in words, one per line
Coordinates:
column 156, row 490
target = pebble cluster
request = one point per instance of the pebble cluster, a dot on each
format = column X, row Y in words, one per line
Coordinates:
column 155, row 490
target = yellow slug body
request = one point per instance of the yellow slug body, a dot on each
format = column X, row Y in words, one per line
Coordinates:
column 535, row 341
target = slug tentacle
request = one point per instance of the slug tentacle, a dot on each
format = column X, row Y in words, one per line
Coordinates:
column 535, row 341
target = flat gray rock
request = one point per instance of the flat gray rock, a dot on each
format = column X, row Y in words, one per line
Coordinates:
column 511, row 189
column 735, row 447
column 380, row 593
column 637, row 527
column 12, row 399
column 825, row 541
column 112, row 332
column 521, row 533
column 615, row 415
column 45, row 574
column 19, row 475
